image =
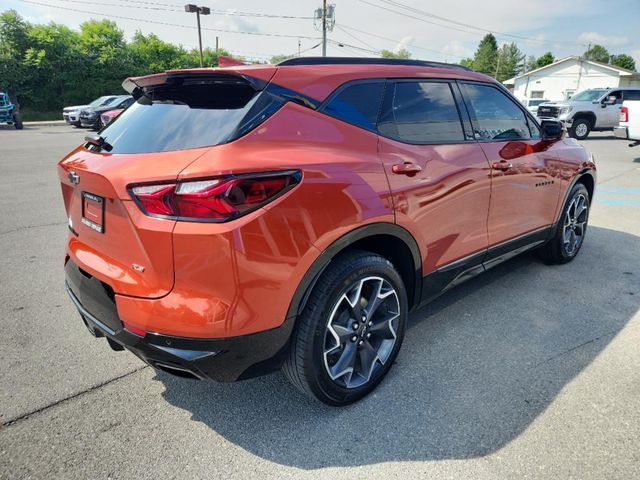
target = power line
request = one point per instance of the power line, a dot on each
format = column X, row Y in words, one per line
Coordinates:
column 354, row 37
column 122, row 17
column 455, row 22
column 394, row 41
column 451, row 27
column 180, row 8
column 353, row 47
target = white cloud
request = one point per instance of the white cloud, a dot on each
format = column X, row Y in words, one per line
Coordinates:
column 457, row 49
column 402, row 44
column 605, row 40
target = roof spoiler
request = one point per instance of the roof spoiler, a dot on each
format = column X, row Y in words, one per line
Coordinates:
column 138, row 86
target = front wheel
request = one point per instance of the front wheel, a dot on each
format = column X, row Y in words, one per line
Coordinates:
column 350, row 331
column 580, row 128
column 571, row 230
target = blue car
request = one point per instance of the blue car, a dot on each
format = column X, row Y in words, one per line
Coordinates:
column 9, row 113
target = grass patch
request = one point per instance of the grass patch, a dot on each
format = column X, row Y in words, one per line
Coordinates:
column 29, row 115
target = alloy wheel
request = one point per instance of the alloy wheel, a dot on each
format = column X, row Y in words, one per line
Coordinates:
column 361, row 332
column 575, row 224
column 581, row 129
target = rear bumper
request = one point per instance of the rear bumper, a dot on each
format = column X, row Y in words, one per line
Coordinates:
column 223, row 360
column 621, row 132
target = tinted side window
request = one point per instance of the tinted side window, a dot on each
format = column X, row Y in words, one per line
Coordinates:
column 494, row 115
column 357, row 104
column 421, row 112
column 632, row 95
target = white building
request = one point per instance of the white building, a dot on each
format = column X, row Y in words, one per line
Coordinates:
column 561, row 79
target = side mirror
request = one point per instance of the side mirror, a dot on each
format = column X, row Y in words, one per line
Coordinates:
column 552, row 130
column 610, row 100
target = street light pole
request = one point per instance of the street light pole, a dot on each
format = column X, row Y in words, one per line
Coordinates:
column 191, row 8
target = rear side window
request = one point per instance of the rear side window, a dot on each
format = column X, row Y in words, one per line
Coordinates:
column 421, row 112
column 357, row 104
column 190, row 114
column 632, row 95
column 494, row 115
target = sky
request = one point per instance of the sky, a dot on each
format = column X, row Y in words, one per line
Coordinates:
column 445, row 30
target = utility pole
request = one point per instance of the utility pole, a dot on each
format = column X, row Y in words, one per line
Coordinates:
column 324, row 18
column 324, row 28
column 191, row 8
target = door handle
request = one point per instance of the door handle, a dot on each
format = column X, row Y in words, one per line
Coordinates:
column 408, row 169
column 501, row 165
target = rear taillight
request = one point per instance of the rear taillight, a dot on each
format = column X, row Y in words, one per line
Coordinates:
column 215, row 199
column 624, row 114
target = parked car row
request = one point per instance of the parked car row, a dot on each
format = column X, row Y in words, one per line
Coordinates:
column 98, row 113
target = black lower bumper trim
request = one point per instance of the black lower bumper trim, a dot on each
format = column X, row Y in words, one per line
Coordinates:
column 223, row 360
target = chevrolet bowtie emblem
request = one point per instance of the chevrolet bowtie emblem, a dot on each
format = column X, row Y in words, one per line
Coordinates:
column 74, row 178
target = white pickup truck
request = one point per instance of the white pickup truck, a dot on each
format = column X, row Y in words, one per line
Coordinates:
column 629, row 127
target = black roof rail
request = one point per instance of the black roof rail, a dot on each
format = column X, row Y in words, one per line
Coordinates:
column 366, row 61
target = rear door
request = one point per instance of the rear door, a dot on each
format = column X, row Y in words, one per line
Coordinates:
column 438, row 174
column 524, row 190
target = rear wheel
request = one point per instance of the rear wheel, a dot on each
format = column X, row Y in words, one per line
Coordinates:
column 580, row 128
column 17, row 121
column 570, row 232
column 350, row 331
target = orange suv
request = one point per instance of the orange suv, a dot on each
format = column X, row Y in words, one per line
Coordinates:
column 236, row 220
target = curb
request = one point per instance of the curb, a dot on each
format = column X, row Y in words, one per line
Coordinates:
column 48, row 123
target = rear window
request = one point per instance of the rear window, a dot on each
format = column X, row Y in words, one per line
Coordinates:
column 421, row 112
column 191, row 114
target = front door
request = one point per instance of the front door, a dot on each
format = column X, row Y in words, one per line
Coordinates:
column 524, row 189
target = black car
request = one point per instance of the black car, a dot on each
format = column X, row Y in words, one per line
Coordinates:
column 90, row 117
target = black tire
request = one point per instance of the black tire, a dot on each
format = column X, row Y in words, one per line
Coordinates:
column 308, row 364
column 17, row 121
column 557, row 250
column 580, row 128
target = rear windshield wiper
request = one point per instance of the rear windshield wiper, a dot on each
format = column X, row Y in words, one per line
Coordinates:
column 97, row 141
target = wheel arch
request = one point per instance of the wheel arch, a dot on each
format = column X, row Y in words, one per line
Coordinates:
column 386, row 239
column 585, row 177
column 590, row 116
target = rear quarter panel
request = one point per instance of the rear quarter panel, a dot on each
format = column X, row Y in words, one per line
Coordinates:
column 239, row 277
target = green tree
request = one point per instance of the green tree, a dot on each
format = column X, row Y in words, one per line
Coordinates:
column 510, row 62
column 403, row 53
column 486, row 56
column 545, row 59
column 148, row 52
column 14, row 42
column 624, row 61
column 597, row 53
column 279, row 58
column 467, row 62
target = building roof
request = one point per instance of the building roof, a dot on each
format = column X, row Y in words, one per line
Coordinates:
column 621, row 71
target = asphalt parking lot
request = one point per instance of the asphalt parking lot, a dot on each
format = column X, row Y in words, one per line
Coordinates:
column 528, row 371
